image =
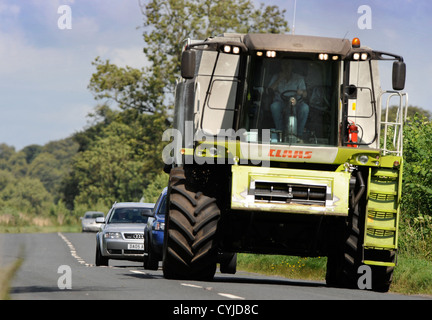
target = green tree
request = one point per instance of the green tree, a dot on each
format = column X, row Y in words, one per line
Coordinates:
column 416, row 219
column 411, row 112
column 121, row 161
column 26, row 194
column 30, row 179
column 153, row 190
column 5, row 179
column 51, row 163
column 417, row 188
column 17, row 164
column 6, row 152
column 31, row 152
column 45, row 167
column 128, row 87
column 168, row 23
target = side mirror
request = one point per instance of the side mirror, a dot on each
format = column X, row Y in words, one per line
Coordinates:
column 351, row 91
column 188, row 64
column 399, row 74
column 100, row 220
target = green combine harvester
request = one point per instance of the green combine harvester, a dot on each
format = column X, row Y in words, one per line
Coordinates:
column 283, row 144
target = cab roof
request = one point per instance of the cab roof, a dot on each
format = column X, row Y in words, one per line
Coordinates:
column 297, row 43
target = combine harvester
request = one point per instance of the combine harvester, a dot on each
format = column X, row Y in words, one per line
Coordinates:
column 280, row 148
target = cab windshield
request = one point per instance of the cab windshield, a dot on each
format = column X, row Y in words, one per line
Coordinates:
column 292, row 100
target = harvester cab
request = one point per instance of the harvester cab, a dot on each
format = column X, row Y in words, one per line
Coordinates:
column 304, row 90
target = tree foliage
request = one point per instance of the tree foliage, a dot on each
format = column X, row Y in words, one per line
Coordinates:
column 417, row 192
column 31, row 179
column 118, row 163
column 416, row 224
column 153, row 190
column 168, row 23
column 128, row 87
column 120, row 154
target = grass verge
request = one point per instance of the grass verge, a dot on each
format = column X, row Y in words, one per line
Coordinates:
column 40, row 229
column 412, row 276
column 286, row 266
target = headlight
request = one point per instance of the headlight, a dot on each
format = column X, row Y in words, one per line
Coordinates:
column 363, row 159
column 159, row 226
column 271, row 54
column 323, row 56
column 112, row 235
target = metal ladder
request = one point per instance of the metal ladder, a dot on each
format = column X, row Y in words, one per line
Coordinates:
column 392, row 129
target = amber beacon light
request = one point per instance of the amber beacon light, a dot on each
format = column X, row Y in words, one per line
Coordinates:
column 356, row 43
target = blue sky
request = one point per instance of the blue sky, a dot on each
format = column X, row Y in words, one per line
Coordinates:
column 44, row 70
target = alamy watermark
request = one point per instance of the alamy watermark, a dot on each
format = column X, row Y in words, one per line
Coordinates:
column 65, row 20
column 365, row 280
column 65, row 280
column 365, row 20
column 218, row 149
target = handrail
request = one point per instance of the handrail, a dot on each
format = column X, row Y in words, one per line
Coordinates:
column 397, row 124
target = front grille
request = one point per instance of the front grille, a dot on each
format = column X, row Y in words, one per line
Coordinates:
column 277, row 192
column 136, row 236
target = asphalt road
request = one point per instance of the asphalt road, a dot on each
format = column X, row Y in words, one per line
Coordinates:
column 60, row 266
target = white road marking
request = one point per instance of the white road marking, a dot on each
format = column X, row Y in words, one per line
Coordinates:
column 82, row 261
column 231, row 296
column 226, row 295
column 191, row 285
column 73, row 251
column 138, row 271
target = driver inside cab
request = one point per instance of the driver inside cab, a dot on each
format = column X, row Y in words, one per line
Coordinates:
column 287, row 85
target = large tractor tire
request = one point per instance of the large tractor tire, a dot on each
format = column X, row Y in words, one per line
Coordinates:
column 343, row 267
column 190, row 250
column 343, row 264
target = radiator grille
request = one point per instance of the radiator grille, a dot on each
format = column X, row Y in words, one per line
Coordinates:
column 136, row 236
column 289, row 193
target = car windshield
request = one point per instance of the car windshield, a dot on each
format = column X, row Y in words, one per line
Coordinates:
column 130, row 215
column 93, row 215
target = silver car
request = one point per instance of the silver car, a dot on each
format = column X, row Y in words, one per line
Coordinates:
column 88, row 221
column 122, row 234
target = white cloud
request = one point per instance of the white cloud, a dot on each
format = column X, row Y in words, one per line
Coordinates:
column 46, row 68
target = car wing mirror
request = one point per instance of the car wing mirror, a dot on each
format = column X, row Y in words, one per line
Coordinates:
column 100, row 220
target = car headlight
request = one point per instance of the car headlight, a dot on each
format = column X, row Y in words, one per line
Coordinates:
column 112, row 235
column 159, row 226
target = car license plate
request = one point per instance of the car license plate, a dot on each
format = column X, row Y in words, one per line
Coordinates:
column 136, row 246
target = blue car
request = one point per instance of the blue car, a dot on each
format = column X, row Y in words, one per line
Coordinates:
column 154, row 233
